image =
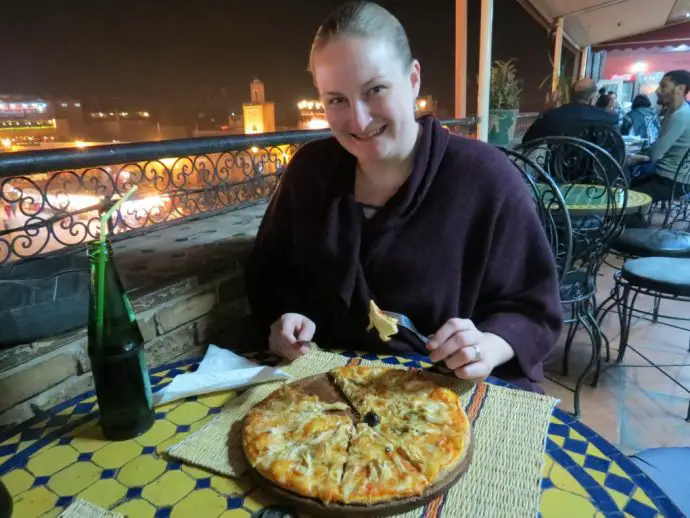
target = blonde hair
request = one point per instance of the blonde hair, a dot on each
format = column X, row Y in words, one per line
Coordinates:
column 367, row 20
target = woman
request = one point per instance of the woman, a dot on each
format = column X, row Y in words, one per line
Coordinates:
column 399, row 211
column 642, row 120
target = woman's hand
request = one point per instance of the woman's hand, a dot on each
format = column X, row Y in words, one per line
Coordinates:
column 289, row 334
column 468, row 352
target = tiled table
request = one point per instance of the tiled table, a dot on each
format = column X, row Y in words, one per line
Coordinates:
column 55, row 458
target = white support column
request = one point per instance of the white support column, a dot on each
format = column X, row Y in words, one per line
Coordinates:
column 558, row 49
column 484, row 90
column 584, row 58
column 460, row 59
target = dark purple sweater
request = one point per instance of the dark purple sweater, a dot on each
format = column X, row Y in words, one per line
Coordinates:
column 460, row 238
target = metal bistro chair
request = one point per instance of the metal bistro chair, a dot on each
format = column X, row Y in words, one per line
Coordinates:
column 670, row 239
column 595, row 189
column 555, row 218
column 663, row 278
column 667, row 240
column 606, row 137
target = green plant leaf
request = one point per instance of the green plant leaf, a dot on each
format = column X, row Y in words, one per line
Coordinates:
column 505, row 87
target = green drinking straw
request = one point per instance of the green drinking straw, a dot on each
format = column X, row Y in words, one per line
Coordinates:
column 101, row 261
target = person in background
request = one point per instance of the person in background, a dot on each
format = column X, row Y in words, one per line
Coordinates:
column 669, row 149
column 616, row 105
column 568, row 117
column 398, row 210
column 605, row 102
column 642, row 120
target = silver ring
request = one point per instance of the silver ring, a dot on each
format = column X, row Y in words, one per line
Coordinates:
column 477, row 353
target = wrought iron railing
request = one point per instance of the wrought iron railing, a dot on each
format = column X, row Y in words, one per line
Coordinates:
column 52, row 200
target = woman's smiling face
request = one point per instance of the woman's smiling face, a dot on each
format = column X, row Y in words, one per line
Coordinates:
column 368, row 94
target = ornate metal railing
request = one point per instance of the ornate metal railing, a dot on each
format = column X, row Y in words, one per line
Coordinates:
column 52, row 200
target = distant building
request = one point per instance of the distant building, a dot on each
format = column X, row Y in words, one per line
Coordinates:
column 258, row 115
column 311, row 115
column 26, row 120
column 130, row 125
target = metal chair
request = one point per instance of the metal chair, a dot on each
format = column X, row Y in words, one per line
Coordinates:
column 553, row 212
column 551, row 209
column 666, row 240
column 606, row 137
column 675, row 210
column 585, row 174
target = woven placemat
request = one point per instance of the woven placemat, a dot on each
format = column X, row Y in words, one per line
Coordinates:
column 503, row 480
column 84, row 509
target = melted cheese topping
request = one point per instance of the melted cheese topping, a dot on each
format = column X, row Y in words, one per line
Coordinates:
column 314, row 449
column 385, row 326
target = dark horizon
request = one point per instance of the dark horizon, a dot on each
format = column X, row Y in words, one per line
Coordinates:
column 181, row 55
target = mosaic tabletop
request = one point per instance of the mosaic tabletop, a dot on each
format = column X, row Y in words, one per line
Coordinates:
column 592, row 199
column 60, row 456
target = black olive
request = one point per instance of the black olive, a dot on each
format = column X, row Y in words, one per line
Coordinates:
column 371, row 419
column 388, row 449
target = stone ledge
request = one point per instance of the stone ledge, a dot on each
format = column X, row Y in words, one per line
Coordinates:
column 186, row 291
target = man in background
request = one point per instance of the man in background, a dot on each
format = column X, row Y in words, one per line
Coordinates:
column 577, row 113
column 669, row 149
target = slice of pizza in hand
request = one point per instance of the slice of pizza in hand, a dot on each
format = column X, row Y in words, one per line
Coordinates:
column 385, row 326
column 377, row 472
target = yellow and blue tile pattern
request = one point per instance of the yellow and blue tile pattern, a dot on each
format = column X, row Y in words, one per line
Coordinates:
column 55, row 458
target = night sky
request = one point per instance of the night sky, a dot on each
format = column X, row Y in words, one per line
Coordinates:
column 184, row 53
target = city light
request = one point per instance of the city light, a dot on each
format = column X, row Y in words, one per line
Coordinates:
column 254, row 149
column 422, row 103
column 317, row 124
column 6, row 142
column 80, row 144
column 309, row 105
column 640, row 66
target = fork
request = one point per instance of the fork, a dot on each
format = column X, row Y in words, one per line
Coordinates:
column 405, row 322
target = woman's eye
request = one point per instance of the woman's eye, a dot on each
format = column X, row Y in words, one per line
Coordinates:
column 377, row 89
column 336, row 100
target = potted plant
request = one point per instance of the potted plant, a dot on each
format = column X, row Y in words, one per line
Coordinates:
column 504, row 104
column 561, row 95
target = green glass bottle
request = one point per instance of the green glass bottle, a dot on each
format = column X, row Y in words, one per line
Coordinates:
column 117, row 357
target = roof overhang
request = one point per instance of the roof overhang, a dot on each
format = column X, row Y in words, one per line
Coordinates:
column 593, row 22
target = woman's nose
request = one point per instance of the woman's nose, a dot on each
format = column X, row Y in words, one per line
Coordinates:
column 361, row 117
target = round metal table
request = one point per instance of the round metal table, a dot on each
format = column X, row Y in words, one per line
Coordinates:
column 57, row 457
column 589, row 200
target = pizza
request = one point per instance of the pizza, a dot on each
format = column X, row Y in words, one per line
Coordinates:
column 397, row 434
column 384, row 325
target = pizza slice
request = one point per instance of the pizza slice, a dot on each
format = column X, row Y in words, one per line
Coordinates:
column 385, row 326
column 313, row 465
column 432, row 431
column 376, row 471
column 379, row 390
column 285, row 417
